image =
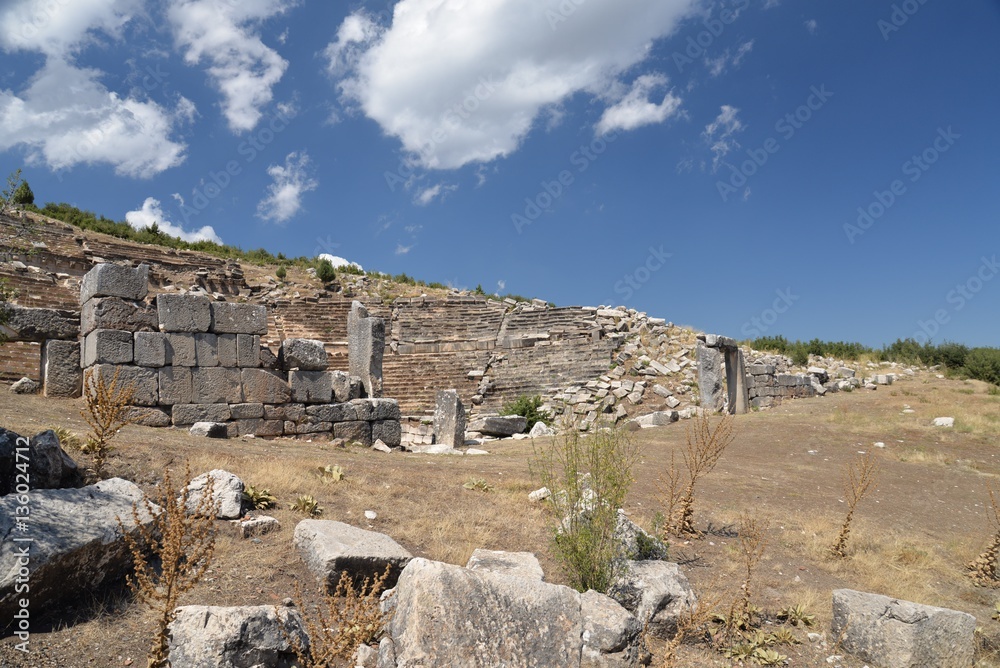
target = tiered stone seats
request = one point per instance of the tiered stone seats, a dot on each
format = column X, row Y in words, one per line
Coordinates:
column 414, row 379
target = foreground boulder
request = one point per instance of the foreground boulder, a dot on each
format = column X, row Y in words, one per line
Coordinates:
column 451, row 616
column 330, row 548
column 76, row 544
column 238, row 637
column 891, row 633
column 518, row 564
column 657, row 593
column 227, row 493
column 48, row 465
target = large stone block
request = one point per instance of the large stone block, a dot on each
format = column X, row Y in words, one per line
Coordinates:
column 523, row 565
column 358, row 431
column 229, row 318
column 889, row 632
column 657, row 593
column 107, row 346
column 148, row 417
column 41, row 324
column 344, row 412
column 261, row 635
column 247, row 351
column 365, row 348
column 181, row 350
column 184, row 313
column 302, row 354
column 113, row 280
column 499, row 425
column 388, row 431
column 261, row 386
column 331, row 548
column 227, row 350
column 247, row 411
column 150, row 349
column 449, row 419
column 311, row 387
column 188, row 414
column 175, row 386
column 227, row 493
column 285, row 412
column 118, row 313
column 341, row 384
column 217, row 385
column 376, row 409
column 206, row 349
column 145, row 384
column 48, row 464
column 61, row 372
column 710, row 372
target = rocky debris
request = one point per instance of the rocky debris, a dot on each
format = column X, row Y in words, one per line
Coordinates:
column 943, row 422
column 237, row 637
column 499, row 425
column 540, row 429
column 656, row 592
column 209, row 430
column 47, row 464
column 113, row 280
column 61, row 372
column 330, row 548
column 449, row 419
column 227, row 493
column 365, row 348
column 302, row 354
column 25, row 386
column 76, row 544
column 256, row 525
column 519, row 622
column 540, row 494
column 516, row 564
column 657, row 419
column 890, row 632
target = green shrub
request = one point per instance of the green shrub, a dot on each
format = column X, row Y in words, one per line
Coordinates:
column 984, row 364
column 590, row 477
column 325, row 271
column 528, row 407
column 280, row 273
column 800, row 354
column 259, row 498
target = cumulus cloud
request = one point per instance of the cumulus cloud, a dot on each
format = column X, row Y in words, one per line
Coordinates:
column 635, row 109
column 719, row 134
column 338, row 261
column 152, row 212
column 461, row 82
column 64, row 115
column 284, row 195
column 241, row 66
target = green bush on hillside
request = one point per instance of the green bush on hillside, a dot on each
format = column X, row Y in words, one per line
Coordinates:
column 325, row 271
column 984, row 364
column 528, row 407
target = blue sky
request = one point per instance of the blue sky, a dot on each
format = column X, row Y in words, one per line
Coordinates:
column 751, row 167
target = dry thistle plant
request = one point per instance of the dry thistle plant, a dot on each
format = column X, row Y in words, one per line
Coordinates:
column 107, row 411
column 701, row 453
column 181, row 545
column 861, row 476
column 341, row 622
column 753, row 541
column 983, row 570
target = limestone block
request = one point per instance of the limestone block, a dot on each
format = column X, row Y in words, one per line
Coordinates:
column 188, row 414
column 180, row 350
column 42, row 324
column 175, row 386
column 358, row 431
column 449, row 419
column 365, row 348
column 227, row 350
column 209, row 430
column 107, row 346
column 516, row 564
column 330, row 548
column 247, row 351
column 118, row 313
column 215, row 636
column 344, row 412
column 184, row 313
column 710, row 378
column 265, row 387
column 247, row 411
column 113, row 280
column 144, row 381
column 258, row 427
column 230, row 318
column 656, row 592
column 227, row 493
column 217, row 385
column 150, row 349
column 290, row 412
column 387, row 431
column 311, row 387
column 206, row 349
column 148, row 417
column 313, row 427
column 302, row 354
column 341, row 385
column 61, row 372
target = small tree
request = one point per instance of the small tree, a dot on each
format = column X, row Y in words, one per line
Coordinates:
column 528, row 407
column 23, row 195
column 281, row 272
column 14, row 240
column 325, row 271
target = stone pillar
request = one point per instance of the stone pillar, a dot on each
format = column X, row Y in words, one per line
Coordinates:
column 710, row 377
column 736, row 381
column 61, row 372
column 449, row 419
column 365, row 347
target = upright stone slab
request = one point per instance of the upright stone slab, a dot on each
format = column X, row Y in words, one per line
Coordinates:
column 365, row 347
column 736, row 382
column 247, row 351
column 449, row 419
column 710, row 378
column 61, row 372
column 184, row 313
column 229, row 318
column 113, row 280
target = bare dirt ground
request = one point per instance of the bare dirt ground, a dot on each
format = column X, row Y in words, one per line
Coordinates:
column 911, row 539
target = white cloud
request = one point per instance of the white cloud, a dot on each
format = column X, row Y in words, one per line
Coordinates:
column 403, row 250
column 635, row 109
column 428, row 195
column 338, row 261
column 241, row 66
column 152, row 212
column 811, row 26
column 284, row 196
column 719, row 133
column 65, row 116
column 460, row 82
column 717, row 66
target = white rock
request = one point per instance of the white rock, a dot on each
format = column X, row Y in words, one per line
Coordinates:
column 540, row 494
column 371, row 514
column 944, row 422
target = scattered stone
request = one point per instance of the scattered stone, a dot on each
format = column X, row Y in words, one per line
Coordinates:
column 657, row 419
column 235, row 637
column 227, row 493
column 657, row 593
column 257, row 525
column 209, row 430
column 944, row 422
column 540, row 429
column 24, row 386
column 48, row 464
column 330, row 548
column 540, row 494
column 380, row 446
column 499, row 425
